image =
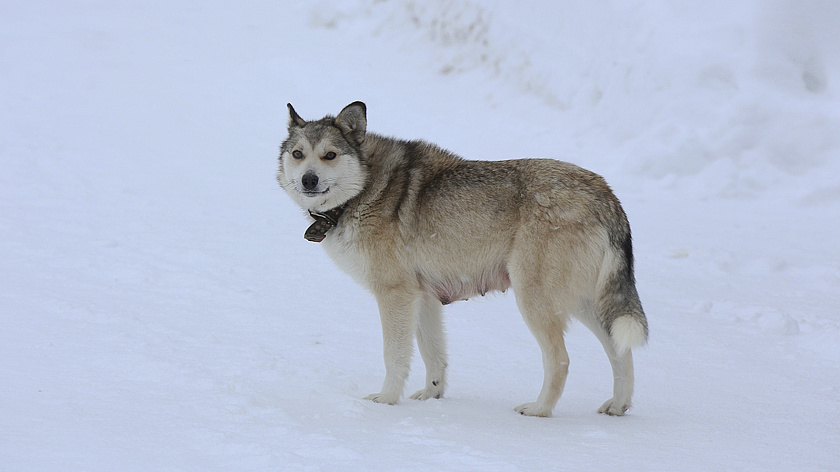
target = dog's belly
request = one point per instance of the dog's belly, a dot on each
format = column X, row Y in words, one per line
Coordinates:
column 454, row 288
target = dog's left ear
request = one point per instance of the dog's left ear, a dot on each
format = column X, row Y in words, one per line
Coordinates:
column 294, row 118
column 352, row 121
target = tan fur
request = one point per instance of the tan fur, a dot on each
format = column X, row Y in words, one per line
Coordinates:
column 429, row 228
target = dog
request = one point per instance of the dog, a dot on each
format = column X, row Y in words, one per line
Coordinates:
column 421, row 228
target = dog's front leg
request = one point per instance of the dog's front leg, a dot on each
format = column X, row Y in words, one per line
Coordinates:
column 396, row 310
column 432, row 343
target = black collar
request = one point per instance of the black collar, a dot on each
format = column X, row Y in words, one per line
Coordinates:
column 317, row 231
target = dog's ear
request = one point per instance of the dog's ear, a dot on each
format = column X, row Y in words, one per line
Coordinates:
column 294, row 118
column 352, row 121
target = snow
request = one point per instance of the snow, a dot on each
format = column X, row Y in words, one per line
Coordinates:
column 161, row 311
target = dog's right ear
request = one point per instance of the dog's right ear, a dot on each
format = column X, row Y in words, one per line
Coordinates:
column 294, row 118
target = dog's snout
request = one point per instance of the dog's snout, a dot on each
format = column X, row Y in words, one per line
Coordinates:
column 309, row 181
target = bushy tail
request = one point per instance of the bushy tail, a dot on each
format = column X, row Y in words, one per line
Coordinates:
column 621, row 309
column 628, row 332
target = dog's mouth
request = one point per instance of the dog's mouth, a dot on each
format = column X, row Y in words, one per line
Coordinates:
column 313, row 193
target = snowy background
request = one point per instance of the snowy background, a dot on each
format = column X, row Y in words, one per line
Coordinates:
column 160, row 309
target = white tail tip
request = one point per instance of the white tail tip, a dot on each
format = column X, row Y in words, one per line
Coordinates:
column 627, row 333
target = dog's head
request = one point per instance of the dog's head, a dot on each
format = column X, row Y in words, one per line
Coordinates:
column 321, row 162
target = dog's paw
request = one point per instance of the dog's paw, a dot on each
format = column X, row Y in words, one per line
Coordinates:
column 533, row 409
column 427, row 393
column 614, row 408
column 383, row 397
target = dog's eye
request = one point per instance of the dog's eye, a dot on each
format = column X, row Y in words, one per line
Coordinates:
column 297, row 154
column 329, row 156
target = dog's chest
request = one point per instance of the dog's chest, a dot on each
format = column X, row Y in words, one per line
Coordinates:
column 341, row 248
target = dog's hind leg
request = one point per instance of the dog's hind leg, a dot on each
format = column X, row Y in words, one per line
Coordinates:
column 397, row 312
column 431, row 340
column 548, row 327
column 622, row 369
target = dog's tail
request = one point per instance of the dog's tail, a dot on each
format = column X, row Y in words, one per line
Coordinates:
column 620, row 309
column 628, row 331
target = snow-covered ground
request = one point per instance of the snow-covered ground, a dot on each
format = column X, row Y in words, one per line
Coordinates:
column 160, row 309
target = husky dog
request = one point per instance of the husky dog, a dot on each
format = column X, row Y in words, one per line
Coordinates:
column 421, row 227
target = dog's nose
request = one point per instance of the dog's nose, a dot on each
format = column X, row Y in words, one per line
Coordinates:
column 309, row 181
